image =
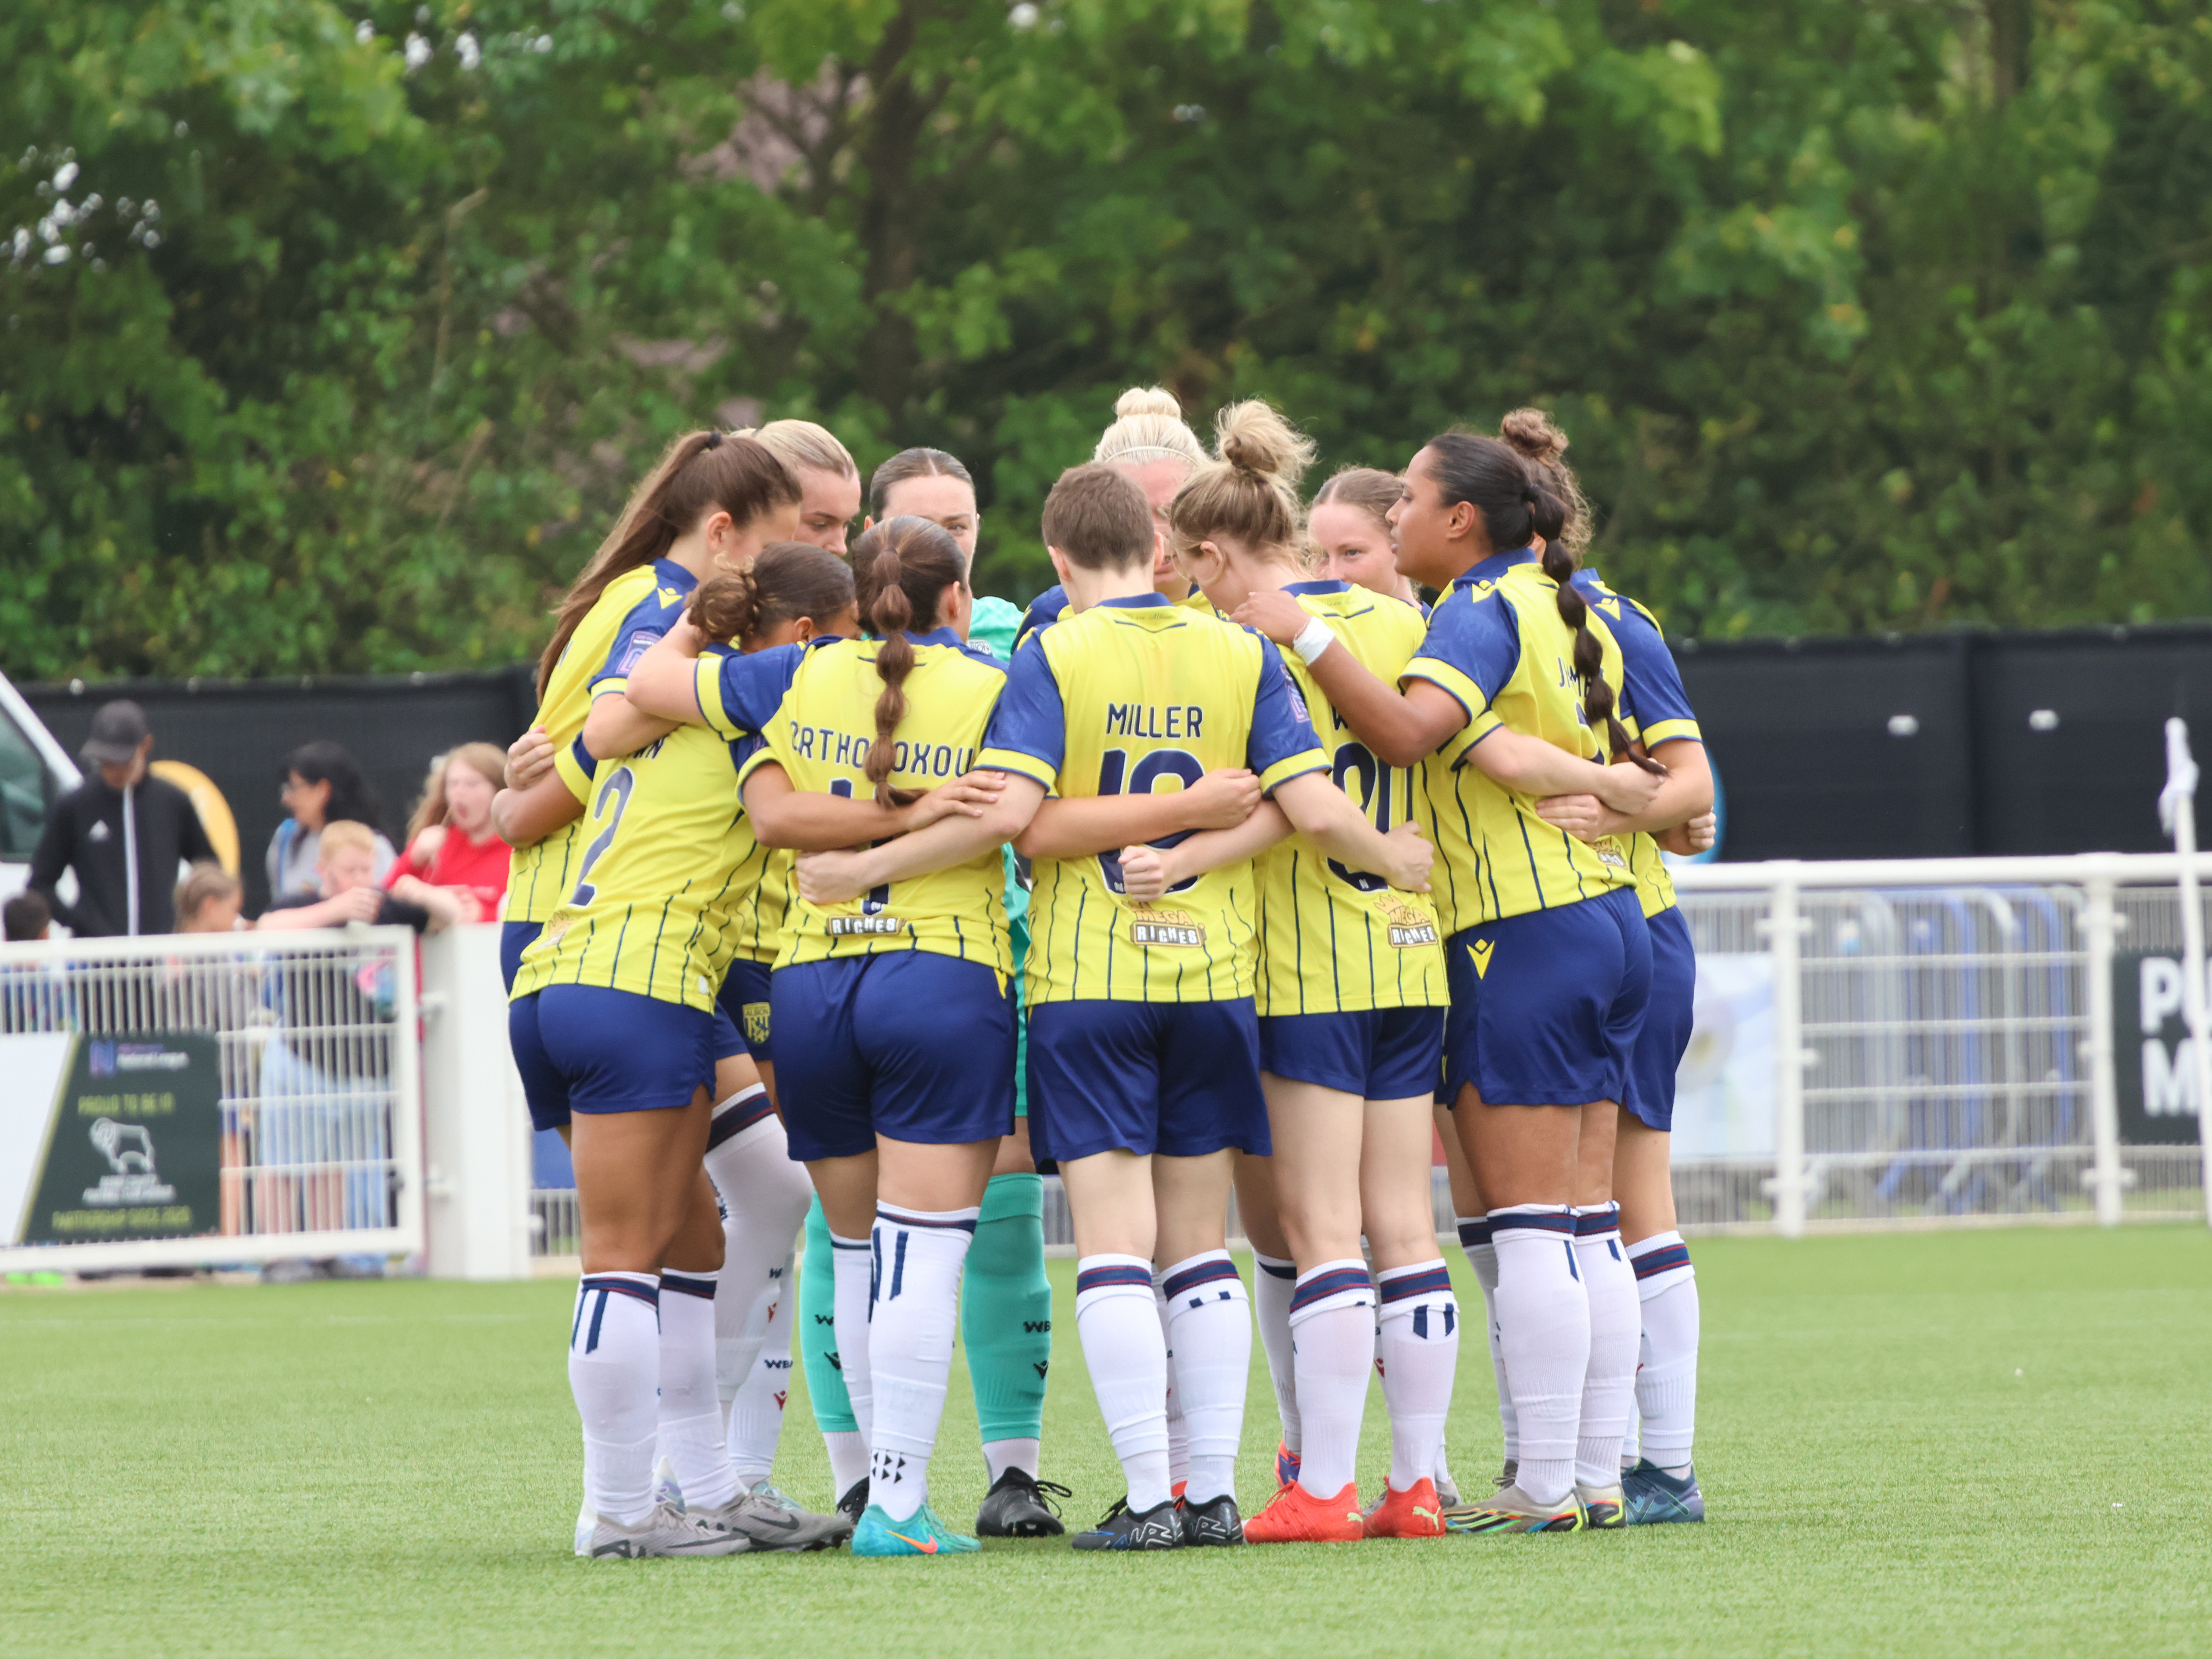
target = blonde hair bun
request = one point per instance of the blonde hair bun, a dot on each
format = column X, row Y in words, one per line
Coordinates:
column 1252, row 437
column 1148, row 400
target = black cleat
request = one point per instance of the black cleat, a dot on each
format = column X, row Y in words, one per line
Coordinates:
column 1157, row 1529
column 854, row 1503
column 1215, row 1521
column 1017, row 1506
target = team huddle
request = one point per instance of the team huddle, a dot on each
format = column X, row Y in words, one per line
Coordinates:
column 844, row 901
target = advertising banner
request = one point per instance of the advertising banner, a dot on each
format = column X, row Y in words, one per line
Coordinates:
column 106, row 1138
column 2152, row 1061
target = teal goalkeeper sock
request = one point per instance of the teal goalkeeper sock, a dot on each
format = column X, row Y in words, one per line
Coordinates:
column 817, row 1334
column 1005, row 1310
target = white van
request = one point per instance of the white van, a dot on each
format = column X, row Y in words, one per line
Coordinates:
column 35, row 772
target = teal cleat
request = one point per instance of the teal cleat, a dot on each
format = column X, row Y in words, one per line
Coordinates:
column 1655, row 1497
column 920, row 1533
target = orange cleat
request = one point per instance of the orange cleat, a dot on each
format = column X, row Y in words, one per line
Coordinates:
column 1414, row 1513
column 1297, row 1516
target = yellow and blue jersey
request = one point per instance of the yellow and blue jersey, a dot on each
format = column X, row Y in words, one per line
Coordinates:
column 1653, row 708
column 1053, row 606
column 541, row 875
column 1331, row 940
column 821, row 736
column 1132, row 696
column 1496, row 643
column 664, row 839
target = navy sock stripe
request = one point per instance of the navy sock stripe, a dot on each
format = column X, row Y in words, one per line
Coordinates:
column 1335, row 1282
column 1428, row 1281
column 738, row 1119
column 1597, row 1221
column 1207, row 1272
column 899, row 1218
column 836, row 1244
column 1098, row 1279
column 1280, row 1270
column 1472, row 1233
column 1557, row 1221
column 684, row 1285
column 646, row 1293
column 1666, row 1258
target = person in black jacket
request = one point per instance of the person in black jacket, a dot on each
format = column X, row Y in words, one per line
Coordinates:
column 123, row 832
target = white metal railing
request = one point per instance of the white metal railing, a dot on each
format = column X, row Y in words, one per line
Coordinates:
column 1942, row 1043
column 319, row 1084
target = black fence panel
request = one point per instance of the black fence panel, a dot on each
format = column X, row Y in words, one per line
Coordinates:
column 1838, row 747
column 237, row 732
column 2069, row 743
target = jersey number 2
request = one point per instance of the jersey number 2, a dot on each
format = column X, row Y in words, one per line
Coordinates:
column 616, row 789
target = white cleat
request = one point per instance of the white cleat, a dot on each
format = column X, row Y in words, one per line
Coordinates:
column 663, row 1532
column 666, row 1487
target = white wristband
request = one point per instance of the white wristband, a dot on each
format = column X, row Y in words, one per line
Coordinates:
column 1313, row 639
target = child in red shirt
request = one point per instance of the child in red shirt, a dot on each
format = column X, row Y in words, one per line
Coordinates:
column 453, row 844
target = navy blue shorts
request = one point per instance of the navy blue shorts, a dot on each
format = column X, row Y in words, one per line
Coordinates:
column 745, row 1000
column 1382, row 1053
column 910, row 1044
column 515, row 937
column 1546, row 1007
column 1667, row 1018
column 585, row 1049
column 1178, row 1078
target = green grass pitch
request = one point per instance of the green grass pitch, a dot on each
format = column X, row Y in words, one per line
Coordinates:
column 1938, row 1443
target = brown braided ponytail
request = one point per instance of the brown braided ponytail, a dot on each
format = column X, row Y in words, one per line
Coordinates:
column 900, row 569
column 1517, row 507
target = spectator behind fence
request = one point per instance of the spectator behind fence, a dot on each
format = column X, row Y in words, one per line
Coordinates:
column 208, row 900
column 322, row 785
column 451, row 844
column 28, row 918
column 346, row 890
column 123, row 832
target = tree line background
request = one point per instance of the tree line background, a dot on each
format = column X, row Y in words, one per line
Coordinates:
column 335, row 333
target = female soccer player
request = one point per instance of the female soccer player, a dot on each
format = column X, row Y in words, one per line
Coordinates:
column 1548, row 958
column 1663, row 1486
column 1350, row 995
column 1148, row 443
column 614, row 1020
column 1143, row 1044
column 1349, row 528
column 828, row 479
column 895, row 1013
column 1005, row 1307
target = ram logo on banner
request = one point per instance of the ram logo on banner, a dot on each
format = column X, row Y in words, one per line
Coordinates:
column 2152, row 1058
column 109, row 1137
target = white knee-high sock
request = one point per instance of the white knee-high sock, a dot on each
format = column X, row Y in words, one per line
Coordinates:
column 1609, row 1384
column 755, row 1420
column 853, row 1261
column 1420, row 1346
column 1332, row 1322
column 1544, row 1332
column 1272, row 1286
column 1178, row 1431
column 1210, row 1329
column 764, row 1197
column 614, row 1371
column 1482, row 1256
column 910, row 1346
column 1117, row 1320
column 1667, row 1385
column 691, row 1417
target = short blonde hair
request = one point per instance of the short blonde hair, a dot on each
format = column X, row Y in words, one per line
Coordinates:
column 1148, row 426
column 341, row 833
column 800, row 444
column 203, row 884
